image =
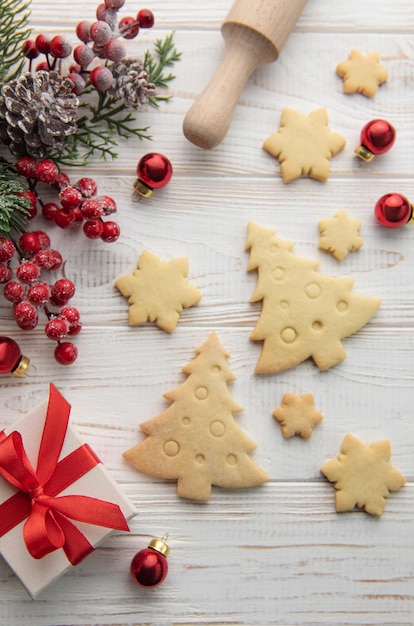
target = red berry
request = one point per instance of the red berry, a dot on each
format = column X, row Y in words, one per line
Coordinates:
column 62, row 181
column 25, row 166
column 100, row 32
column 62, row 291
column 108, row 205
column 38, row 294
column 48, row 259
column 49, row 210
column 7, row 249
column 71, row 314
column 111, row 232
column 66, row 353
column 56, row 328
column 29, row 49
column 43, row 44
column 46, row 171
column 114, row 50
column 74, row 329
column 78, row 217
column 29, row 244
column 82, row 31
column 145, row 18
column 101, row 12
column 64, row 219
column 83, row 55
column 101, row 78
column 128, row 27
column 60, row 47
column 44, row 239
column 87, row 187
column 13, row 292
column 43, row 66
column 28, row 272
column 93, row 229
column 91, row 209
column 78, row 82
column 25, row 315
column 5, row 273
column 114, row 4
column 70, row 198
column 55, row 259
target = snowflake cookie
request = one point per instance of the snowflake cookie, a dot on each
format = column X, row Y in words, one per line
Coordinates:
column 362, row 73
column 304, row 313
column 297, row 415
column 158, row 291
column 340, row 234
column 304, row 145
column 363, row 475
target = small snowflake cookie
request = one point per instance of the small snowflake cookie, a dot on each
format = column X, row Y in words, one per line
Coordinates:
column 340, row 234
column 362, row 73
column 363, row 475
column 158, row 291
column 297, row 415
column 304, row 145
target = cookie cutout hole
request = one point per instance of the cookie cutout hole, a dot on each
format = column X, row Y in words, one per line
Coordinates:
column 313, row 290
column 171, row 448
column 231, row 459
column 200, row 458
column 216, row 369
column 273, row 248
column 317, row 325
column 217, row 428
column 186, row 420
column 201, row 393
column 284, row 304
column 288, row 335
column 342, row 306
column 279, row 273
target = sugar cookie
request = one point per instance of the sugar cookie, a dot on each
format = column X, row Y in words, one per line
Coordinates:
column 297, row 415
column 340, row 234
column 362, row 73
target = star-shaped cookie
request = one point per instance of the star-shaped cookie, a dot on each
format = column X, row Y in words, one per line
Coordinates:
column 297, row 415
column 362, row 73
column 304, row 145
column 157, row 291
column 340, row 234
column 363, row 475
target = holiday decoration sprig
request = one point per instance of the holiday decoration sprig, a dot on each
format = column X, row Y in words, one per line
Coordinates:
column 14, row 203
column 14, row 30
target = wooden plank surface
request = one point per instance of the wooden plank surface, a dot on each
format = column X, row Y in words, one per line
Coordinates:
column 278, row 554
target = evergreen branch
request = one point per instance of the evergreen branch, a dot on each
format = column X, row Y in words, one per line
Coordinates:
column 167, row 55
column 14, row 17
column 14, row 208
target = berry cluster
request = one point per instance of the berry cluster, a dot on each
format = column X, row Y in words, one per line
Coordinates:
column 79, row 203
column 100, row 40
column 28, row 291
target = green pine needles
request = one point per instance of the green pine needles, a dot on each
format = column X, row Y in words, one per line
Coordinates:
column 14, row 208
column 14, row 31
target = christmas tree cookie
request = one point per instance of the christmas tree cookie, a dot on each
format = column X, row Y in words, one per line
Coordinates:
column 362, row 73
column 196, row 441
column 297, row 415
column 363, row 475
column 304, row 145
column 158, row 291
column 304, row 314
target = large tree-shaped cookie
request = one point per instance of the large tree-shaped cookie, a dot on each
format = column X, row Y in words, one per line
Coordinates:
column 196, row 441
column 304, row 314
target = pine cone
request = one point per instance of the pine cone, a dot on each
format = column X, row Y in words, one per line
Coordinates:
column 37, row 112
column 130, row 83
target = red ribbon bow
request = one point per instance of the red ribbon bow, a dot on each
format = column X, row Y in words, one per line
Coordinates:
column 48, row 527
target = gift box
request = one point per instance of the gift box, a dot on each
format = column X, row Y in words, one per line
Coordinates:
column 57, row 500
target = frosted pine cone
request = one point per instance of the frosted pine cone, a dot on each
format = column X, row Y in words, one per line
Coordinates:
column 130, row 83
column 37, row 112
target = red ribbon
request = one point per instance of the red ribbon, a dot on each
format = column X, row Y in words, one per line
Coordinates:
column 48, row 526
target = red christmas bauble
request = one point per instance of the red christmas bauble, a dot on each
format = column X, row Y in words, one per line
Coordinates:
column 393, row 210
column 12, row 361
column 154, row 171
column 377, row 137
column 149, row 567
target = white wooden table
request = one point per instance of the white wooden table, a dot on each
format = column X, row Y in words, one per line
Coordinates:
column 277, row 554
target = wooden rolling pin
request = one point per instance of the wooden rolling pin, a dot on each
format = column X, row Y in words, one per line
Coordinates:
column 254, row 32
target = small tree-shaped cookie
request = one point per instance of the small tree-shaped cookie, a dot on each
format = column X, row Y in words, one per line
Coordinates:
column 304, row 314
column 196, row 441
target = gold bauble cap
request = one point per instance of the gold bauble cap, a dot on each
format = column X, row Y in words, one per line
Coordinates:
column 142, row 189
column 22, row 366
column 364, row 153
column 160, row 546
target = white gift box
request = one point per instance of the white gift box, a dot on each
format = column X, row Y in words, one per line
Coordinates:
column 37, row 574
